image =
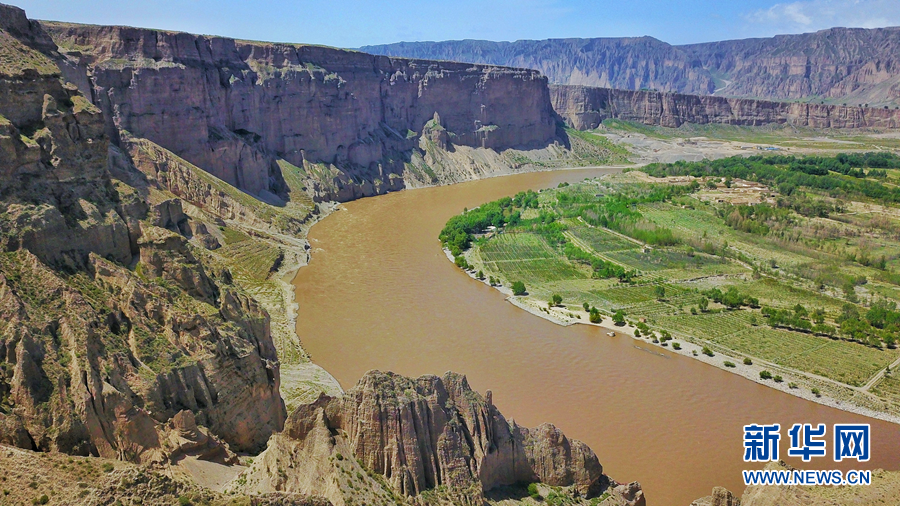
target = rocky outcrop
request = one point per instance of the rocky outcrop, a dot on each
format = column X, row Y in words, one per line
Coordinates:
column 585, row 108
column 414, row 436
column 109, row 325
column 720, row 497
column 94, row 482
column 235, row 108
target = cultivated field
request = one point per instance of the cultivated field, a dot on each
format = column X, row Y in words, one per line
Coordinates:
column 800, row 281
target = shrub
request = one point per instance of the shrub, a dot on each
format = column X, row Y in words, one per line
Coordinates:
column 533, row 491
column 778, row 378
column 729, row 364
column 708, row 352
column 619, row 318
column 586, row 306
column 596, row 317
column 694, row 352
column 556, row 299
column 747, row 361
column 637, row 332
column 480, row 275
column 518, row 288
column 184, row 501
column 765, row 375
column 107, row 467
column 792, row 385
column 676, row 345
column 816, row 392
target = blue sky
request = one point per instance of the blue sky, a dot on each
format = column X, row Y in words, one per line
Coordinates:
column 353, row 23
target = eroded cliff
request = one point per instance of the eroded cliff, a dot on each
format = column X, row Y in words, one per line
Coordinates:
column 110, row 323
column 349, row 122
column 432, row 439
column 856, row 66
column 585, row 108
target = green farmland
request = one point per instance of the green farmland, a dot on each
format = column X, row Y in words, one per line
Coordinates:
column 766, row 260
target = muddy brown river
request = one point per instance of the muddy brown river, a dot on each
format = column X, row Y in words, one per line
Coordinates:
column 380, row 294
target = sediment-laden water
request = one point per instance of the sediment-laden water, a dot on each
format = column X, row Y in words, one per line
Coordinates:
column 380, row 294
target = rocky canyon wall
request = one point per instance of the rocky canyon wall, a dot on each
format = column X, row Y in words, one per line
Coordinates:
column 432, row 438
column 585, row 108
column 111, row 321
column 235, row 108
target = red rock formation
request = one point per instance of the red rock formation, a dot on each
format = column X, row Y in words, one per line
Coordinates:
column 585, row 108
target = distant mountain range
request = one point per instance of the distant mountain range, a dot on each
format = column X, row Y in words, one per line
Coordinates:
column 838, row 65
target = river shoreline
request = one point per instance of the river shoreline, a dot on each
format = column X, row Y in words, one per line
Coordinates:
column 693, row 351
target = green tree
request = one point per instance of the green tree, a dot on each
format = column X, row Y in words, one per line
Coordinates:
column 480, row 275
column 556, row 299
column 596, row 317
column 660, row 292
column 586, row 306
column 518, row 288
column 619, row 318
column 703, row 304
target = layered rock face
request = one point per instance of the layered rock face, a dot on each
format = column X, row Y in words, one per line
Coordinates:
column 235, row 108
column 109, row 324
column 629, row 63
column 419, row 435
column 854, row 65
column 585, row 108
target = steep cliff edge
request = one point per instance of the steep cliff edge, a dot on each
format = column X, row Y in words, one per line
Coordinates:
column 112, row 321
column 349, row 122
column 839, row 65
column 431, row 439
column 585, row 108
column 625, row 62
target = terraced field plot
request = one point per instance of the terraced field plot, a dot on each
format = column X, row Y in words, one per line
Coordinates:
column 602, row 240
column 668, row 258
column 252, row 258
column 710, row 326
column 528, row 258
column 703, row 224
column 839, row 360
column 888, row 387
column 629, row 295
column 777, row 294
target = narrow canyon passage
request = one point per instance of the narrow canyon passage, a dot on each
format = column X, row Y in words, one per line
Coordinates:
column 380, row 294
